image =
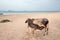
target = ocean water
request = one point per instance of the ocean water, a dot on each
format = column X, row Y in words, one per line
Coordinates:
column 24, row 12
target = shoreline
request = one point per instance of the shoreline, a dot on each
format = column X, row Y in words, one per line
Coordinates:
column 31, row 13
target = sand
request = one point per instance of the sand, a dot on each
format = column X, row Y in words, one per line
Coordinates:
column 17, row 28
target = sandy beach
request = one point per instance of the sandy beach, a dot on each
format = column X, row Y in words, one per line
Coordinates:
column 17, row 28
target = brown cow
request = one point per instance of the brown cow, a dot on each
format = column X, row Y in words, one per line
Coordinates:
column 39, row 24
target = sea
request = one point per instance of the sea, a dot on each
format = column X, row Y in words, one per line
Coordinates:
column 24, row 12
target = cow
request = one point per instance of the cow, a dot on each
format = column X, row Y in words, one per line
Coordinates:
column 39, row 24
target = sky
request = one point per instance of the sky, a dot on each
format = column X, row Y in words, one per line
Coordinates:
column 30, row 5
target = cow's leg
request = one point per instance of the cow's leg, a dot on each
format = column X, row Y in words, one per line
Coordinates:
column 28, row 29
column 44, row 32
column 46, row 28
column 32, row 31
column 47, row 31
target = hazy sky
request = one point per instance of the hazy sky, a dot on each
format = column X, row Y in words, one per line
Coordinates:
column 30, row 5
